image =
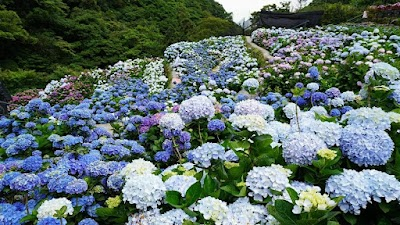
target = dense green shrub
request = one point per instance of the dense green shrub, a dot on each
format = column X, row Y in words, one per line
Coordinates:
column 335, row 13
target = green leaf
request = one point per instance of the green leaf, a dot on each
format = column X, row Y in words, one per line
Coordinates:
column 233, row 190
column 210, row 185
column 282, row 211
column 28, row 218
column 105, row 212
column 319, row 163
column 190, row 212
column 193, row 193
column 174, row 198
column 352, row 219
column 385, row 207
column 333, row 223
column 264, row 160
column 293, row 194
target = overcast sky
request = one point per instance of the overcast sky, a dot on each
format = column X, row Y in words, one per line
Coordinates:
column 243, row 8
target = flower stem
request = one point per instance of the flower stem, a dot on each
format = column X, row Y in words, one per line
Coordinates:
column 176, row 149
column 201, row 138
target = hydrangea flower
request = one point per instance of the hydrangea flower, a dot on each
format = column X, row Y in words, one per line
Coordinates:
column 360, row 188
column 366, row 147
column 368, row 118
column 203, row 154
column 138, row 167
column 216, row 125
column 290, row 110
column 313, row 86
column 301, row 148
column 25, row 182
column 195, row 108
column 383, row 70
column 312, row 200
column 50, row 221
column 144, row 191
column 254, row 107
column 262, row 180
column 348, row 96
column 212, row 209
column 180, row 183
column 49, row 207
column 10, row 214
column 21, row 143
column 172, row 121
column 253, row 123
column 243, row 212
column 88, row 221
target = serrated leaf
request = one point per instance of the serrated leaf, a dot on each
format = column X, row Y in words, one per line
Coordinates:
column 192, row 194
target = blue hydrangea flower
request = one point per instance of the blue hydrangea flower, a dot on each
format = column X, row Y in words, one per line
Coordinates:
column 353, row 186
column 366, row 147
column 88, row 221
column 216, row 125
column 77, row 186
column 50, row 221
column 368, row 118
column 335, row 113
column 163, row 156
column 333, row 92
column 25, row 182
column 203, row 154
column 115, row 150
column 10, row 215
column 21, row 143
column 314, row 73
column 301, row 148
column 32, row 163
column 115, row 182
column 318, row 98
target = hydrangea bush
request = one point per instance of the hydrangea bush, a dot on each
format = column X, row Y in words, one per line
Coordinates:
column 312, row 138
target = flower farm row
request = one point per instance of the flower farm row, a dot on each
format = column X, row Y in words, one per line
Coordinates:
column 310, row 137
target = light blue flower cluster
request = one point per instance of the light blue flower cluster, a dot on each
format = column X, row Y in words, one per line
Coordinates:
column 361, row 188
column 24, row 182
column 366, row 147
column 196, row 108
column 10, row 214
column 263, row 180
column 301, row 148
column 203, row 154
column 368, row 118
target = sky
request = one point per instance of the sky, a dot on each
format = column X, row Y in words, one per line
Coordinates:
column 243, row 8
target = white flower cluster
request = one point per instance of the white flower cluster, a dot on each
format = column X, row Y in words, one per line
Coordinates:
column 52, row 86
column 154, row 76
column 290, row 110
column 144, row 191
column 312, row 200
column 49, row 207
column 242, row 212
column 212, row 209
column 385, row 71
column 262, row 180
column 253, row 123
column 172, row 121
column 153, row 217
column 254, row 107
column 251, row 83
column 138, row 167
column 180, row 183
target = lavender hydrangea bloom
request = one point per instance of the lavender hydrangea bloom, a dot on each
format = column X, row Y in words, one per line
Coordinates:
column 254, row 107
column 301, row 148
column 333, row 92
column 203, row 154
column 172, row 121
column 366, row 147
column 196, row 108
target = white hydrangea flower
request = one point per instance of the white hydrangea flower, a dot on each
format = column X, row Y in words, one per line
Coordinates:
column 154, row 76
column 320, row 110
column 253, row 123
column 348, row 96
column 144, row 191
column 312, row 200
column 290, row 110
column 243, row 212
column 368, row 118
column 212, row 209
column 172, row 121
column 138, row 167
column 49, row 207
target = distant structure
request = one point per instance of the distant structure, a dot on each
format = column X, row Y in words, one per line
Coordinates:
column 290, row 20
column 5, row 97
column 245, row 24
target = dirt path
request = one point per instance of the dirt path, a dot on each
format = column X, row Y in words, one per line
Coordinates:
column 265, row 53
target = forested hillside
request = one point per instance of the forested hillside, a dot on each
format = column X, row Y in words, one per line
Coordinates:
column 44, row 39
